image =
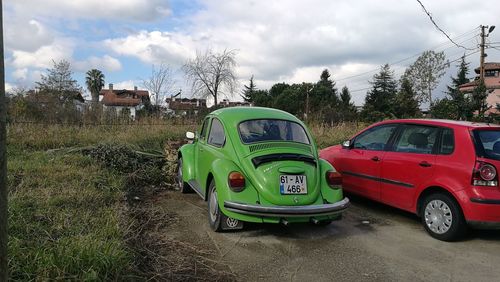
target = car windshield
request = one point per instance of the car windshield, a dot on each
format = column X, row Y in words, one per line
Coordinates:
column 488, row 143
column 260, row 130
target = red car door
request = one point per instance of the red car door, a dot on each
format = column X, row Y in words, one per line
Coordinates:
column 408, row 164
column 360, row 162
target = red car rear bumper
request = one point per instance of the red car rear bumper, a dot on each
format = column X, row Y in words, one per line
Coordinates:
column 481, row 210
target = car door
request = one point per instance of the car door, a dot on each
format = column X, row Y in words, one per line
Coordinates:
column 199, row 155
column 360, row 162
column 408, row 164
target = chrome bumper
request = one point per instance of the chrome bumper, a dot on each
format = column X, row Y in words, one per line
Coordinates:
column 288, row 211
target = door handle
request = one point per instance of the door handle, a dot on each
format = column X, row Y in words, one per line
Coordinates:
column 424, row 164
column 375, row 159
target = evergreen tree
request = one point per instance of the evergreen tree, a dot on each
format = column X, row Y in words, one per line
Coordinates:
column 249, row 91
column 379, row 101
column 462, row 103
column 406, row 105
column 479, row 95
column 443, row 109
column 347, row 107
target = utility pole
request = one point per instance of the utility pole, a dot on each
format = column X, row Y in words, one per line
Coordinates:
column 4, row 268
column 481, row 59
column 482, row 46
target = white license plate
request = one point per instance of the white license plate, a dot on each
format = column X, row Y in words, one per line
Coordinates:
column 293, row 184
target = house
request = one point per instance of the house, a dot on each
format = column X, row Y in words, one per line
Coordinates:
column 185, row 106
column 132, row 100
column 226, row 104
column 492, row 83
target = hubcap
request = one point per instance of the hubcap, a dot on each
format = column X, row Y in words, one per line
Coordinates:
column 213, row 205
column 179, row 175
column 438, row 216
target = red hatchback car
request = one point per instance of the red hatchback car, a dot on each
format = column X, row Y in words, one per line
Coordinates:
column 444, row 171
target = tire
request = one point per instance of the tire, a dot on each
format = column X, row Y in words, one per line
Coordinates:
column 215, row 215
column 325, row 222
column 183, row 186
column 442, row 217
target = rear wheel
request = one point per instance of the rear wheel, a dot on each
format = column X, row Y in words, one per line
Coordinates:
column 183, row 186
column 442, row 217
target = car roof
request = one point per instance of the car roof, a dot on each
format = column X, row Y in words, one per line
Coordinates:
column 444, row 122
column 239, row 114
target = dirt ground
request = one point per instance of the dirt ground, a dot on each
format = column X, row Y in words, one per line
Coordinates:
column 372, row 242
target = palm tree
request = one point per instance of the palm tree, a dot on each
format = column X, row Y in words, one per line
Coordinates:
column 95, row 82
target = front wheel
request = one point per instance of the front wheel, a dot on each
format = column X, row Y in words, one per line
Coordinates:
column 442, row 217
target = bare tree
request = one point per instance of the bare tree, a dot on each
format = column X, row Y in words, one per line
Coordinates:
column 159, row 83
column 212, row 73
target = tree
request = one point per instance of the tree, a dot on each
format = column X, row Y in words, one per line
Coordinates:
column 379, row 101
column 425, row 73
column 95, row 83
column 406, row 105
column 479, row 95
column 347, row 107
column 249, row 91
column 159, row 83
column 443, row 109
column 212, row 73
column 59, row 82
column 462, row 103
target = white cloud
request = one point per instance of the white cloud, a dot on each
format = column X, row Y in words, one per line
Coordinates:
column 44, row 56
column 26, row 35
column 106, row 63
column 8, row 87
column 123, row 10
column 154, row 47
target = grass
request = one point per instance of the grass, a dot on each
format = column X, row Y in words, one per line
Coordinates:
column 64, row 219
column 67, row 210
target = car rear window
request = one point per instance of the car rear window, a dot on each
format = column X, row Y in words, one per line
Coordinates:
column 259, row 130
column 487, row 143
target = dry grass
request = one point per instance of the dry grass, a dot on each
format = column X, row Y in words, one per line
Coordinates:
column 328, row 135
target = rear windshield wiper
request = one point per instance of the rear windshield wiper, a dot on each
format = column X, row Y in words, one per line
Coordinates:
column 257, row 161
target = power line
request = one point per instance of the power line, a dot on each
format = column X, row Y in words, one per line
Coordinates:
column 449, row 62
column 434, row 23
column 415, row 55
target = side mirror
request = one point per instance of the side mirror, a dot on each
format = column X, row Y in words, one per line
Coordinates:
column 190, row 135
column 346, row 144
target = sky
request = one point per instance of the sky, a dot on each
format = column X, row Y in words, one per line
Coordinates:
column 275, row 41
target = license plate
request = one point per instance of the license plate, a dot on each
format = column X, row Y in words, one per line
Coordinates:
column 293, row 184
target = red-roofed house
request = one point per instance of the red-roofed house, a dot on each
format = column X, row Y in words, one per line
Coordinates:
column 492, row 82
column 121, row 99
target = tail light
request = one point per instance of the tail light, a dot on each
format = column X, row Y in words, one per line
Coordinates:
column 484, row 174
column 333, row 178
column 236, row 181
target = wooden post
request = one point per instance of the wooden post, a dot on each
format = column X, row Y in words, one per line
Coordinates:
column 3, row 161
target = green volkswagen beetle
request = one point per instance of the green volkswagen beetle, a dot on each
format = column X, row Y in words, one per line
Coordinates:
column 259, row 165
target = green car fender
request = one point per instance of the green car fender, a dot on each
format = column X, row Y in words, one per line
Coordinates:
column 330, row 194
column 186, row 152
column 220, row 169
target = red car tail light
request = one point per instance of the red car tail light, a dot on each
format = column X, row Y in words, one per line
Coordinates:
column 236, row 181
column 333, row 178
column 484, row 174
